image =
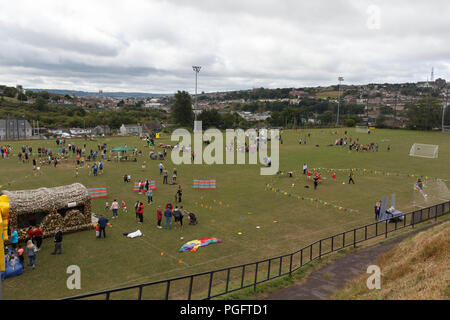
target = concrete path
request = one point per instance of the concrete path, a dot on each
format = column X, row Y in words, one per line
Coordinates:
column 322, row 283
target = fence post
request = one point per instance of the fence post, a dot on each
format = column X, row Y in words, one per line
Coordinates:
column 268, row 269
column 140, row 293
column 281, row 263
column 310, row 252
column 386, row 232
column 167, row 290
column 354, row 238
column 332, row 243
column 243, row 274
column 256, row 277
column 365, row 232
column 210, row 284
column 190, row 287
column 228, row 279
column 343, row 240
column 290, row 265
column 301, row 258
column 320, row 249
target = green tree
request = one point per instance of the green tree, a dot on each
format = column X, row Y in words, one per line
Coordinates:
column 327, row 117
column 210, row 118
column 182, row 109
column 44, row 94
column 40, row 103
column 424, row 114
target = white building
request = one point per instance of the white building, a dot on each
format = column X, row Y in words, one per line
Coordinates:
column 130, row 129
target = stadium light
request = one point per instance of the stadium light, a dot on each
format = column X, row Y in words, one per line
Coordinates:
column 339, row 100
column 196, row 70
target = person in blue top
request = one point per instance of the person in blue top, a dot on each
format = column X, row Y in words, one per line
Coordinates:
column 100, row 167
column 168, row 216
column 14, row 238
column 102, row 222
column 95, row 168
column 150, row 197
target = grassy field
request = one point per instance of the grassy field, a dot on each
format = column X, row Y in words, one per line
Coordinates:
column 118, row 261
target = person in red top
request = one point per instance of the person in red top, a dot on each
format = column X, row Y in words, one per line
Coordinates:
column 30, row 234
column 334, row 176
column 37, row 232
column 141, row 212
column 309, row 174
column 159, row 217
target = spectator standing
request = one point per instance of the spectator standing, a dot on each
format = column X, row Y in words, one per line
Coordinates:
column 168, row 218
column 159, row 217
column 141, row 212
column 58, row 241
column 102, row 223
column 14, row 238
column 115, row 209
column 38, row 237
column 31, row 253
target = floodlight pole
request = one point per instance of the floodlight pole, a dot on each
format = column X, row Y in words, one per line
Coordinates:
column 339, row 100
column 196, row 70
column 444, row 107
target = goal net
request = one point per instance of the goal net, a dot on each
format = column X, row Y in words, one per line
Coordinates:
column 362, row 129
column 428, row 193
column 424, row 150
column 446, row 129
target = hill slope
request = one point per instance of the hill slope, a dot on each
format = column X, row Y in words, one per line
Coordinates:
column 415, row 269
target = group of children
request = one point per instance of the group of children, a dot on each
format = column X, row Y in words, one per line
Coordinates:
column 318, row 177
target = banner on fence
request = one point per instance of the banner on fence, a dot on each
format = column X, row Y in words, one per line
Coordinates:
column 204, row 184
column 98, row 192
column 151, row 185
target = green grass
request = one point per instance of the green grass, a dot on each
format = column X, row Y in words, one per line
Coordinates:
column 118, row 261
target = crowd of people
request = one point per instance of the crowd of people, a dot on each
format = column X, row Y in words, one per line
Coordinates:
column 33, row 241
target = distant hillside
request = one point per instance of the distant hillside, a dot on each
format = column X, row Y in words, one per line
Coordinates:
column 416, row 268
column 105, row 94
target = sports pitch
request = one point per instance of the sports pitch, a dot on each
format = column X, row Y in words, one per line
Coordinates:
column 252, row 222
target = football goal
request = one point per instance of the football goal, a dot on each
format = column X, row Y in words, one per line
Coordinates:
column 446, row 129
column 428, row 193
column 424, row 150
column 362, row 129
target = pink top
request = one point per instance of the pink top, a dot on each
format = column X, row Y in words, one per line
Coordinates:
column 115, row 205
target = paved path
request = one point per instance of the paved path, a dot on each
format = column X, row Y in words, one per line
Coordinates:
column 322, row 283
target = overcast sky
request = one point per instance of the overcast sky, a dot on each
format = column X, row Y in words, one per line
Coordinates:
column 151, row 45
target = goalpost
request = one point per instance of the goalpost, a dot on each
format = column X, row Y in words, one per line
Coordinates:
column 424, row 150
column 362, row 129
column 430, row 193
column 446, row 129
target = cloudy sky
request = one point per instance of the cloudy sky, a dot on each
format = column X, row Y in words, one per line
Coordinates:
column 151, row 45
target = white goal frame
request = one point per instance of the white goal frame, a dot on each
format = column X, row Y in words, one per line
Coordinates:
column 446, row 129
column 434, row 149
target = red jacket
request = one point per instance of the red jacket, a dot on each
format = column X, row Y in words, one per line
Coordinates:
column 141, row 209
column 159, row 214
column 38, row 232
column 30, row 233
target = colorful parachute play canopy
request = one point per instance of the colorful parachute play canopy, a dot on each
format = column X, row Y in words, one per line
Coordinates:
column 193, row 245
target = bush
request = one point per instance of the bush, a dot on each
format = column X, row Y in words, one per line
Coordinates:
column 350, row 123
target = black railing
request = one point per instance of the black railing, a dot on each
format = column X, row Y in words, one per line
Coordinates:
column 215, row 283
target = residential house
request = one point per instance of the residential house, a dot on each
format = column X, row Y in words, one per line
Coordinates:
column 130, row 129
